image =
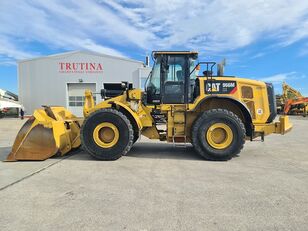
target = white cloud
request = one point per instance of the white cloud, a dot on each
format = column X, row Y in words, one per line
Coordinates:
column 9, row 50
column 215, row 26
column 279, row 78
column 258, row 55
column 219, row 25
column 49, row 23
column 293, row 78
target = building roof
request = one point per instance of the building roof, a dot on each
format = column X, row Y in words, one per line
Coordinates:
column 8, row 95
column 69, row 53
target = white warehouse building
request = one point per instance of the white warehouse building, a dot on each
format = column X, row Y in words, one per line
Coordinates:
column 61, row 79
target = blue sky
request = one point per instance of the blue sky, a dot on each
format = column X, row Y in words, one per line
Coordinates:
column 261, row 39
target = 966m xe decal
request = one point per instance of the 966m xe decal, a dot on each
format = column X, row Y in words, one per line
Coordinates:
column 220, row 87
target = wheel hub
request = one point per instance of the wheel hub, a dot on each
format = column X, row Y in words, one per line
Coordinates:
column 106, row 135
column 219, row 136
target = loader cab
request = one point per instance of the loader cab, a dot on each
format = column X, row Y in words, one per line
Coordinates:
column 171, row 80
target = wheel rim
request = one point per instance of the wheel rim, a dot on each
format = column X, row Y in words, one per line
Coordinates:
column 106, row 135
column 219, row 136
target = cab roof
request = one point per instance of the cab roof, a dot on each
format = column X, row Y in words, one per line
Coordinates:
column 157, row 53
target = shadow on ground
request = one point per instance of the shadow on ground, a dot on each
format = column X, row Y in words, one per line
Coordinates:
column 148, row 150
column 157, row 150
column 163, row 151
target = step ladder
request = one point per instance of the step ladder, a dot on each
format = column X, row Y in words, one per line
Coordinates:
column 178, row 112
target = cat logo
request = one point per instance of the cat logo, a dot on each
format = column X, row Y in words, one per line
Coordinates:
column 213, row 87
column 220, row 87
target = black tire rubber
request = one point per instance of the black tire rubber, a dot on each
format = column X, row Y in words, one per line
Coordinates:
column 136, row 137
column 202, row 124
column 118, row 119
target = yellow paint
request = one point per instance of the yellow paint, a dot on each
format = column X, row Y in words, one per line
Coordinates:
column 260, row 98
column 135, row 94
column 65, row 133
column 281, row 127
column 65, row 136
column 150, row 132
column 219, row 136
column 106, row 135
column 134, row 114
column 89, row 102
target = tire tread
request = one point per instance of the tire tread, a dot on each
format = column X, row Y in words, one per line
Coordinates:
column 199, row 121
column 122, row 116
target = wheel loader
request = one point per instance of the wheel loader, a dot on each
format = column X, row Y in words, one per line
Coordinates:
column 215, row 113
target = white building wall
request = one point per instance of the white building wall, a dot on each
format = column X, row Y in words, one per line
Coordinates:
column 43, row 82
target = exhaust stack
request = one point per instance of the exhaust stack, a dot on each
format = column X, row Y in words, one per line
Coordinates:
column 221, row 67
column 147, row 61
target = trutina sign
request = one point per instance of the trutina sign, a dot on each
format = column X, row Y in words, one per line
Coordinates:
column 70, row 67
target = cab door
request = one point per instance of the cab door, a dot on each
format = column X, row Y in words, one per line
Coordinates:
column 173, row 79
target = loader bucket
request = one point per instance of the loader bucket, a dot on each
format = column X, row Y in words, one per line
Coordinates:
column 49, row 131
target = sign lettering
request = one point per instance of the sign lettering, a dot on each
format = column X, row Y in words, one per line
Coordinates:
column 69, row 67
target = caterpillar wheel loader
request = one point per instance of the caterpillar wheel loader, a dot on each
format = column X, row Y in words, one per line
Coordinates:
column 215, row 113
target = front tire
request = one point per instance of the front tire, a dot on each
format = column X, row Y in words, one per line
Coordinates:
column 107, row 134
column 136, row 137
column 218, row 134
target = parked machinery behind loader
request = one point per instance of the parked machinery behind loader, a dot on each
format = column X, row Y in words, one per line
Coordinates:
column 215, row 113
column 291, row 101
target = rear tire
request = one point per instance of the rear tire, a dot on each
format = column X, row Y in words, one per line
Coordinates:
column 107, row 134
column 218, row 134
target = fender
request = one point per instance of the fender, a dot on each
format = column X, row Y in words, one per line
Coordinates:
column 130, row 111
column 89, row 106
column 242, row 106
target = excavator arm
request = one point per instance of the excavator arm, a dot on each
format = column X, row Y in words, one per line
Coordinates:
column 289, row 92
column 292, row 102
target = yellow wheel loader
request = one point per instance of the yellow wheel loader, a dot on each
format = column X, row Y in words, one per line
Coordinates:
column 215, row 113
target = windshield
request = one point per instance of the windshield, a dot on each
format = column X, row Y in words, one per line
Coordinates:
column 154, row 81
